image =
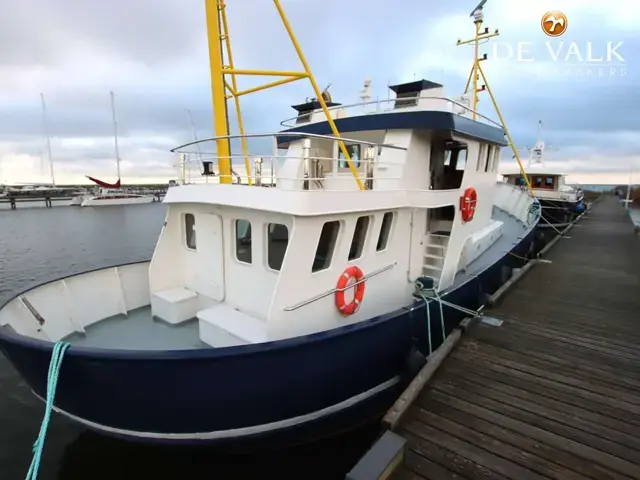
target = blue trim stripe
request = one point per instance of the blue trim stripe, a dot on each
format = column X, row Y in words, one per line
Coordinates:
column 409, row 120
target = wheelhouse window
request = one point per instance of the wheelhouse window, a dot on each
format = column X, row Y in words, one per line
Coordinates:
column 243, row 241
column 496, row 159
column 385, row 231
column 326, row 246
column 482, row 157
column 190, row 231
column 359, row 237
column 488, row 164
column 354, row 153
column 277, row 242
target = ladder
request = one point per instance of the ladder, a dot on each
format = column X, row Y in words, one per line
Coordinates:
column 435, row 251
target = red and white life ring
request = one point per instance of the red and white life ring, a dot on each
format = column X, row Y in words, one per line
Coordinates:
column 468, row 204
column 350, row 276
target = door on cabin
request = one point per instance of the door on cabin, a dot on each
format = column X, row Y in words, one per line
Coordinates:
column 210, row 268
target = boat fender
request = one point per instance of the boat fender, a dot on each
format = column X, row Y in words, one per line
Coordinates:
column 351, row 273
column 468, row 204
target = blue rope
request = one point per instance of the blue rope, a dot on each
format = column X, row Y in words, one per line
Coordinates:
column 429, row 294
column 52, row 382
column 534, row 211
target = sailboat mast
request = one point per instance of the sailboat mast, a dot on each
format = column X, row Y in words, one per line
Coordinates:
column 115, row 132
column 47, row 138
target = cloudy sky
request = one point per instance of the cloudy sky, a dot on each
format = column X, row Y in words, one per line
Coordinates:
column 153, row 55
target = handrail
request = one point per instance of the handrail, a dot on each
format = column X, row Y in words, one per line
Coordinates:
column 334, row 290
column 379, row 102
column 288, row 134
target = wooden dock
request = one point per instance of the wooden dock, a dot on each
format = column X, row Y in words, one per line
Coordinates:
column 551, row 390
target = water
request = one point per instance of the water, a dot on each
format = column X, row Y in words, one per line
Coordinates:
column 41, row 244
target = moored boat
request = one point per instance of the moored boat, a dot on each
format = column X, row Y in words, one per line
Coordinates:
column 286, row 313
column 561, row 203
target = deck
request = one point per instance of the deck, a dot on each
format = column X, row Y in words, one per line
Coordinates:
column 553, row 392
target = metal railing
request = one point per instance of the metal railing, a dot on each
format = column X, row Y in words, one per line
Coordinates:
column 381, row 107
column 264, row 167
column 334, row 290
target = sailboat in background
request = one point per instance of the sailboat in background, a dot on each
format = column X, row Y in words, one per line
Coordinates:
column 111, row 193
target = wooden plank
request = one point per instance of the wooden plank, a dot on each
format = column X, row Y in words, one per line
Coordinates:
column 423, row 468
column 549, row 379
column 574, row 463
column 614, row 351
column 557, row 366
column 540, row 350
column 450, row 460
column 498, row 447
column 627, row 455
column 520, row 341
column 596, row 413
column 526, row 429
column 502, row 466
column 545, row 409
column 609, row 330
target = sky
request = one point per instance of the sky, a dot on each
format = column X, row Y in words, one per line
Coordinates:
column 154, row 56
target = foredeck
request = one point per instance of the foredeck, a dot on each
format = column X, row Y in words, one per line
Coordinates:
column 554, row 390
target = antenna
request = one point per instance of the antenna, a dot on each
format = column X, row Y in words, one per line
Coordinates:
column 46, row 136
column 195, row 138
column 365, row 93
column 115, row 132
column 477, row 73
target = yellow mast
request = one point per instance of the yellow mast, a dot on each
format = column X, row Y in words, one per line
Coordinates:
column 477, row 72
column 218, row 38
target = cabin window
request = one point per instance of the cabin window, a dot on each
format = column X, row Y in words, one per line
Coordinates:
column 385, row 231
column 482, row 157
column 406, row 99
column 447, row 162
column 190, row 230
column 462, row 161
column 359, row 237
column 277, row 242
column 354, row 154
column 243, row 241
column 496, row 159
column 326, row 245
column 488, row 162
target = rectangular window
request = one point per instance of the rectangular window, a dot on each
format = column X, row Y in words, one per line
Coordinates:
column 354, row 154
column 243, row 241
column 359, row 237
column 487, row 164
column 462, row 160
column 277, row 242
column 190, row 230
column 385, row 231
column 326, row 245
column 482, row 157
column 496, row 159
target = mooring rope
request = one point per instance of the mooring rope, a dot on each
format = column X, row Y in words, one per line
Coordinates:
column 52, row 382
column 429, row 293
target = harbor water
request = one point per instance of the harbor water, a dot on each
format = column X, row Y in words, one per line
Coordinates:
column 42, row 244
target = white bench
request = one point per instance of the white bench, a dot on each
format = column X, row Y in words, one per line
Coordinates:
column 223, row 326
column 175, row 305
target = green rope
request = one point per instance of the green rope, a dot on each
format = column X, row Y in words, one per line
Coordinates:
column 429, row 294
column 52, row 382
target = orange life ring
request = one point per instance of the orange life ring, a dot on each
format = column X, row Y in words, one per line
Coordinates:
column 468, row 204
column 352, row 272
